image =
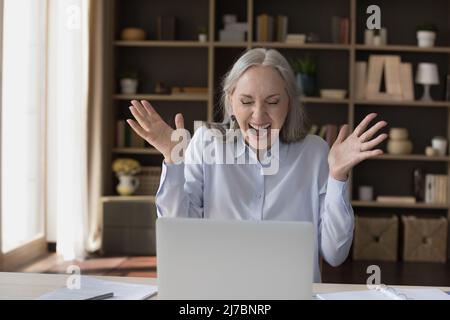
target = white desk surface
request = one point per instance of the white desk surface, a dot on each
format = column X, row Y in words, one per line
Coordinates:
column 20, row 286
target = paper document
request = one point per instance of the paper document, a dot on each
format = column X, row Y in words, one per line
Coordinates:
column 387, row 293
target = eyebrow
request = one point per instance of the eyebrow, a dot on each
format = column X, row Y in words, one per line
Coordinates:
column 271, row 96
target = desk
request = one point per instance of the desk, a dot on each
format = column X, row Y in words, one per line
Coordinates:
column 32, row 285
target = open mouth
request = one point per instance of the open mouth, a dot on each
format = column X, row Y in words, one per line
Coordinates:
column 259, row 130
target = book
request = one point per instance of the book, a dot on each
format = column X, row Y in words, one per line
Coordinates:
column 382, row 292
column 396, row 199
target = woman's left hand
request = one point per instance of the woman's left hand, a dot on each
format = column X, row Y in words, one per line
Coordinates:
column 347, row 152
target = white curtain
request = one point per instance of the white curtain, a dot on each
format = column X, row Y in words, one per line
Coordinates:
column 67, row 126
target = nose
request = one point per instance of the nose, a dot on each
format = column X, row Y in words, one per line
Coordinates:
column 259, row 112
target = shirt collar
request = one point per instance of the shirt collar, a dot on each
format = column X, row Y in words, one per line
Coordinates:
column 242, row 147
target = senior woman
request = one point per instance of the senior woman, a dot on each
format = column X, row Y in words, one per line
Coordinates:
column 261, row 101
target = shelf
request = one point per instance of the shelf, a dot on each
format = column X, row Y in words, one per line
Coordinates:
column 152, row 151
column 416, row 103
column 168, row 44
column 163, row 97
column 128, row 199
column 318, row 100
column 419, row 205
column 224, row 44
column 405, row 48
column 411, row 157
column 312, row 46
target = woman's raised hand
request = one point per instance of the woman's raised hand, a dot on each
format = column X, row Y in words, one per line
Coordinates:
column 347, row 152
column 152, row 128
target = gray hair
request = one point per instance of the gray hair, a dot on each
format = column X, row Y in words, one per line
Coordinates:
column 296, row 125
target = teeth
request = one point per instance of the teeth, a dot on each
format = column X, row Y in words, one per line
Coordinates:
column 258, row 127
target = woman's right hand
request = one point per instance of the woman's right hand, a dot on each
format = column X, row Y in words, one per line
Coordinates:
column 153, row 129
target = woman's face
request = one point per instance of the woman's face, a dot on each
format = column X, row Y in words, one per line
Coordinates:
column 260, row 104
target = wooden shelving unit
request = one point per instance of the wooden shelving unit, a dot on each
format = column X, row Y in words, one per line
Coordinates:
column 186, row 61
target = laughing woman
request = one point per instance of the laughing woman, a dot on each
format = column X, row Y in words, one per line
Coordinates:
column 261, row 101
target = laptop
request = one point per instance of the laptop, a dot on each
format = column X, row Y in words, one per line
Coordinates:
column 234, row 259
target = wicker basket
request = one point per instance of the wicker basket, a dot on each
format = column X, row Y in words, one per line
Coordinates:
column 149, row 178
column 375, row 238
column 425, row 239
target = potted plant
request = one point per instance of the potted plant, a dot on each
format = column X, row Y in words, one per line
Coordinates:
column 202, row 34
column 305, row 70
column 129, row 81
column 125, row 170
column 426, row 34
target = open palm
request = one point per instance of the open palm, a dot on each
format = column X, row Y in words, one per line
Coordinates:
column 347, row 152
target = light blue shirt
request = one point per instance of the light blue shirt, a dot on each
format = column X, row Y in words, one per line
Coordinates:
column 300, row 190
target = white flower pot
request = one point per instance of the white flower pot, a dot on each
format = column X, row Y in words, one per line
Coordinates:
column 202, row 37
column 425, row 39
column 129, row 86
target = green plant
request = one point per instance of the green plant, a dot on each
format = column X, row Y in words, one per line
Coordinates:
column 202, row 30
column 129, row 73
column 427, row 26
column 306, row 65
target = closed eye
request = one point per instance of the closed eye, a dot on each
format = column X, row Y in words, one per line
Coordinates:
column 246, row 102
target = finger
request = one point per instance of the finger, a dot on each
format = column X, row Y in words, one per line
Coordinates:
column 149, row 109
column 179, row 121
column 342, row 133
column 370, row 154
column 137, row 128
column 364, row 123
column 371, row 132
column 143, row 122
column 369, row 145
column 139, row 108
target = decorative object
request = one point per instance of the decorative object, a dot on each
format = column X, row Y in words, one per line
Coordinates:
column 333, row 93
column 202, row 34
column 312, row 38
column 375, row 37
column 133, row 34
column 166, row 28
column 161, row 88
column 125, row 170
column 419, row 184
column 427, row 75
column 365, row 193
column 398, row 143
column 426, row 35
column 368, row 37
column 295, row 38
column 398, row 79
column 129, row 81
column 440, row 144
column 305, row 70
column 431, row 152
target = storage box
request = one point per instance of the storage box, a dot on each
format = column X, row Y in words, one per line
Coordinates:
column 149, row 179
column 375, row 238
column 425, row 239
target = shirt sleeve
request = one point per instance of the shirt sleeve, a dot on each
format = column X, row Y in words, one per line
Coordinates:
column 336, row 221
column 180, row 193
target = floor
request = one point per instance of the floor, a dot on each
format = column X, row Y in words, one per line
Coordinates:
column 430, row 274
